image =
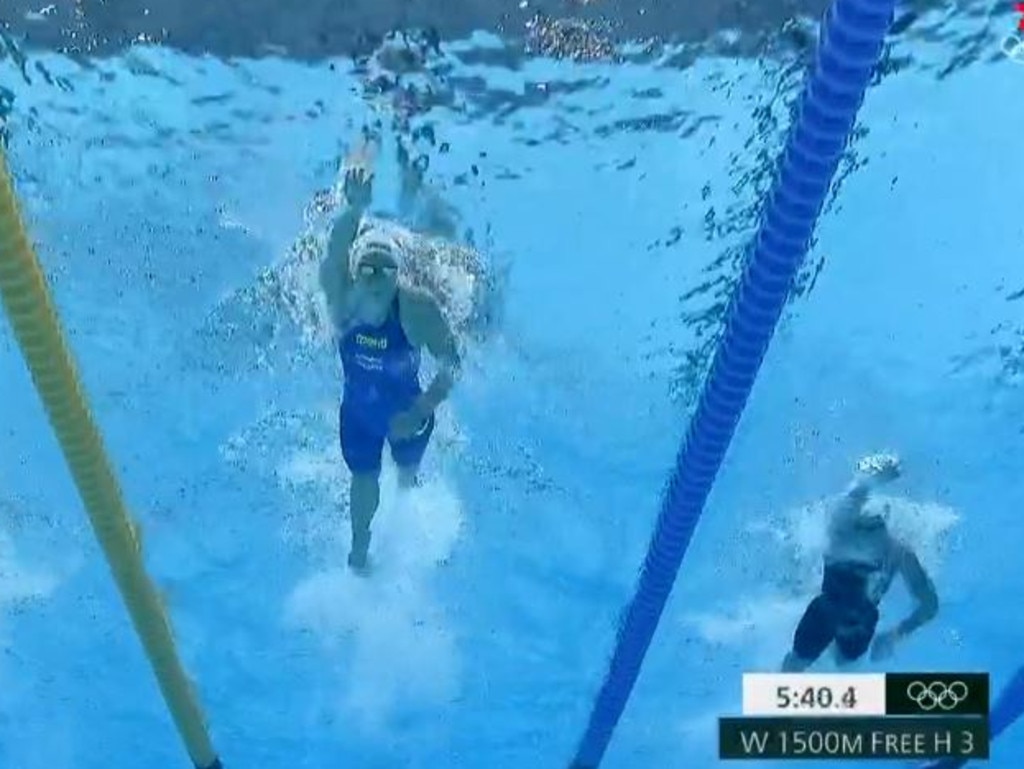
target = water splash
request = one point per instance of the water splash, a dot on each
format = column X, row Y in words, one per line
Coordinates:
column 399, row 646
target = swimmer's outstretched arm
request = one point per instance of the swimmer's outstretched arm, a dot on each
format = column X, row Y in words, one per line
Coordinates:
column 336, row 278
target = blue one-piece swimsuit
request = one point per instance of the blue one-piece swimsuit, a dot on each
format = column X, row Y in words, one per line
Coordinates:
column 381, row 372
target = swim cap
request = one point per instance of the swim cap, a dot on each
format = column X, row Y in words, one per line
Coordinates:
column 375, row 240
column 880, row 464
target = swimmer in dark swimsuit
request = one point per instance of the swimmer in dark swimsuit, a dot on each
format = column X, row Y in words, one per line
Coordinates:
column 861, row 561
column 382, row 328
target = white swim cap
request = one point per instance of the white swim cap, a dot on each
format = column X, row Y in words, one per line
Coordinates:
column 375, row 240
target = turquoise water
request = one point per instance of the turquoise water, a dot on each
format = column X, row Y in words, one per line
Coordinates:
column 160, row 188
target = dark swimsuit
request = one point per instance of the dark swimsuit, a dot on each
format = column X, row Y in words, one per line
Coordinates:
column 381, row 370
column 843, row 612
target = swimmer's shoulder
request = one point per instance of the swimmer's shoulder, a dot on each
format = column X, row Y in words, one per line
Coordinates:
column 414, row 301
column 841, row 512
column 418, row 312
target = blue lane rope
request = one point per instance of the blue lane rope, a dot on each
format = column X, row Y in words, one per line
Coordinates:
column 848, row 53
column 1010, row 705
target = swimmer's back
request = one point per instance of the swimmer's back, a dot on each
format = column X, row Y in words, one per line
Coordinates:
column 862, row 550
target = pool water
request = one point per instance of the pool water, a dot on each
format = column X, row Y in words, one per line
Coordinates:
column 165, row 191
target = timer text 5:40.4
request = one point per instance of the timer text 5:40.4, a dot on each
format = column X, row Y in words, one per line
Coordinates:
column 815, row 697
column 824, row 694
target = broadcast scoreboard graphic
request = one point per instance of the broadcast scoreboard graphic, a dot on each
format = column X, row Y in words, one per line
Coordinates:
column 902, row 716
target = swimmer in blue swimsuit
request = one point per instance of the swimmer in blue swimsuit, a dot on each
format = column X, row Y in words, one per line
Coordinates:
column 860, row 563
column 382, row 328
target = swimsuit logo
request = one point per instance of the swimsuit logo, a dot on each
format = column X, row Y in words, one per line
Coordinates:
column 376, row 342
column 369, row 363
column 937, row 694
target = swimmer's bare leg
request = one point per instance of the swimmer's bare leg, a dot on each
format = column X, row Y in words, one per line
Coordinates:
column 843, row 662
column 793, row 663
column 408, row 477
column 851, row 644
column 364, row 498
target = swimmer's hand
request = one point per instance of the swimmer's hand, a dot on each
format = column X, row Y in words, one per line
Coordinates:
column 406, row 424
column 358, row 187
column 884, row 645
column 879, row 468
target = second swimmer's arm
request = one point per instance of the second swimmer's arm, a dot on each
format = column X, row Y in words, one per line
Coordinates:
column 923, row 590
column 849, row 505
column 872, row 471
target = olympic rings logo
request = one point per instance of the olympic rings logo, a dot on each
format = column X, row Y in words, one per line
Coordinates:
column 937, row 694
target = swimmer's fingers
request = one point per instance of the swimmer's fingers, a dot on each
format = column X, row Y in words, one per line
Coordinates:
column 358, row 186
column 359, row 175
column 358, row 167
column 364, row 154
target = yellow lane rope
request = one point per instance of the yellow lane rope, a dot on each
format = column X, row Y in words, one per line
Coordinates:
column 33, row 318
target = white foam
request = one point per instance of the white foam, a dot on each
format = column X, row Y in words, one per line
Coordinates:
column 418, row 529
column 311, row 467
column 745, row 620
column 393, row 634
column 924, row 526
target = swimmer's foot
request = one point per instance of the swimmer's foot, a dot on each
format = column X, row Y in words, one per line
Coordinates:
column 358, row 557
column 359, row 563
